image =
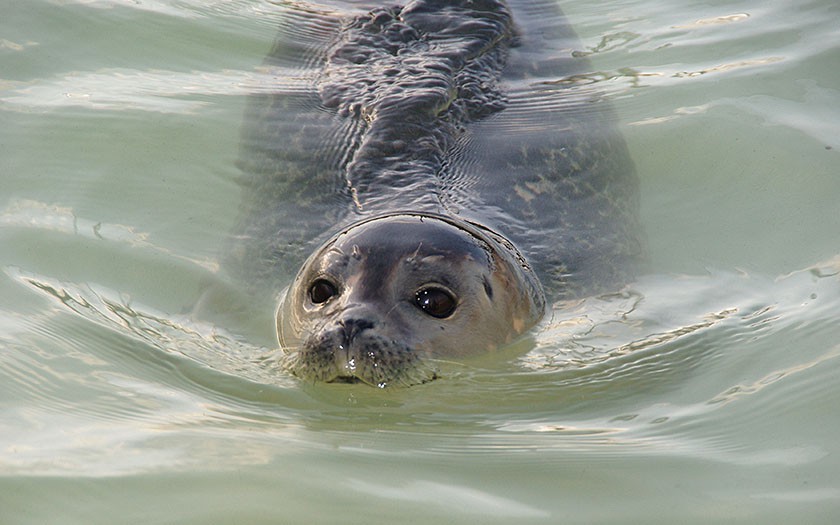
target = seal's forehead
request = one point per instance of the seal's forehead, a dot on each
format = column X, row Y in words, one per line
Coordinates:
column 419, row 236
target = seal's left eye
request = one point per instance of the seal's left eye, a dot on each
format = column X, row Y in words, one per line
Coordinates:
column 436, row 302
column 322, row 291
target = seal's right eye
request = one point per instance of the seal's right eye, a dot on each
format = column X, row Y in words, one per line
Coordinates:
column 322, row 291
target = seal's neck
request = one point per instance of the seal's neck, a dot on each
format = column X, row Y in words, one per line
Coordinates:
column 409, row 79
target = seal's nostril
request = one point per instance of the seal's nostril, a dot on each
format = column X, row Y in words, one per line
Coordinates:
column 353, row 326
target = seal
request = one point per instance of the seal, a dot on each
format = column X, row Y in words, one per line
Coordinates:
column 388, row 292
column 445, row 167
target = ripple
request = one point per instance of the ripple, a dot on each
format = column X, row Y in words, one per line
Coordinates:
column 29, row 215
column 155, row 91
column 448, row 497
column 717, row 20
column 187, row 9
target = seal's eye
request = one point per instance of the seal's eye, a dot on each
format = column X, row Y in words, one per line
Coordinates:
column 436, row 302
column 322, row 291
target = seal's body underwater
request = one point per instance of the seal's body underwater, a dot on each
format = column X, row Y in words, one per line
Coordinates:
column 439, row 162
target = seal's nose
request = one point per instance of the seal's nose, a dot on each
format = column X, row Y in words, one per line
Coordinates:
column 353, row 326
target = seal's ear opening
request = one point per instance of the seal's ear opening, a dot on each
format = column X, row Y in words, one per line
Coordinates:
column 531, row 298
column 526, row 301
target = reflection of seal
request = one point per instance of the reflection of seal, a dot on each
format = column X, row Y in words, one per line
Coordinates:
column 386, row 293
column 394, row 155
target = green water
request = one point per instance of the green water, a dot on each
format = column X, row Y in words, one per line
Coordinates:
column 705, row 393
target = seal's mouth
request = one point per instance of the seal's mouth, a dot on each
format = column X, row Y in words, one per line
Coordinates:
column 354, row 380
column 348, row 380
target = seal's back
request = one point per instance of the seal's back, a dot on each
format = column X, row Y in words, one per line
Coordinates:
column 472, row 109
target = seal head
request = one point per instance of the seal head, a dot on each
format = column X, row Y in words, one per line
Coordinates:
column 382, row 299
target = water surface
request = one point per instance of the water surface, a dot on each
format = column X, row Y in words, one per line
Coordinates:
column 703, row 392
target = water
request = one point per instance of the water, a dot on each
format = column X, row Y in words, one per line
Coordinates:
column 705, row 392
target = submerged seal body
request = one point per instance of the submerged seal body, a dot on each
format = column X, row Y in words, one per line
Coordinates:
column 437, row 167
